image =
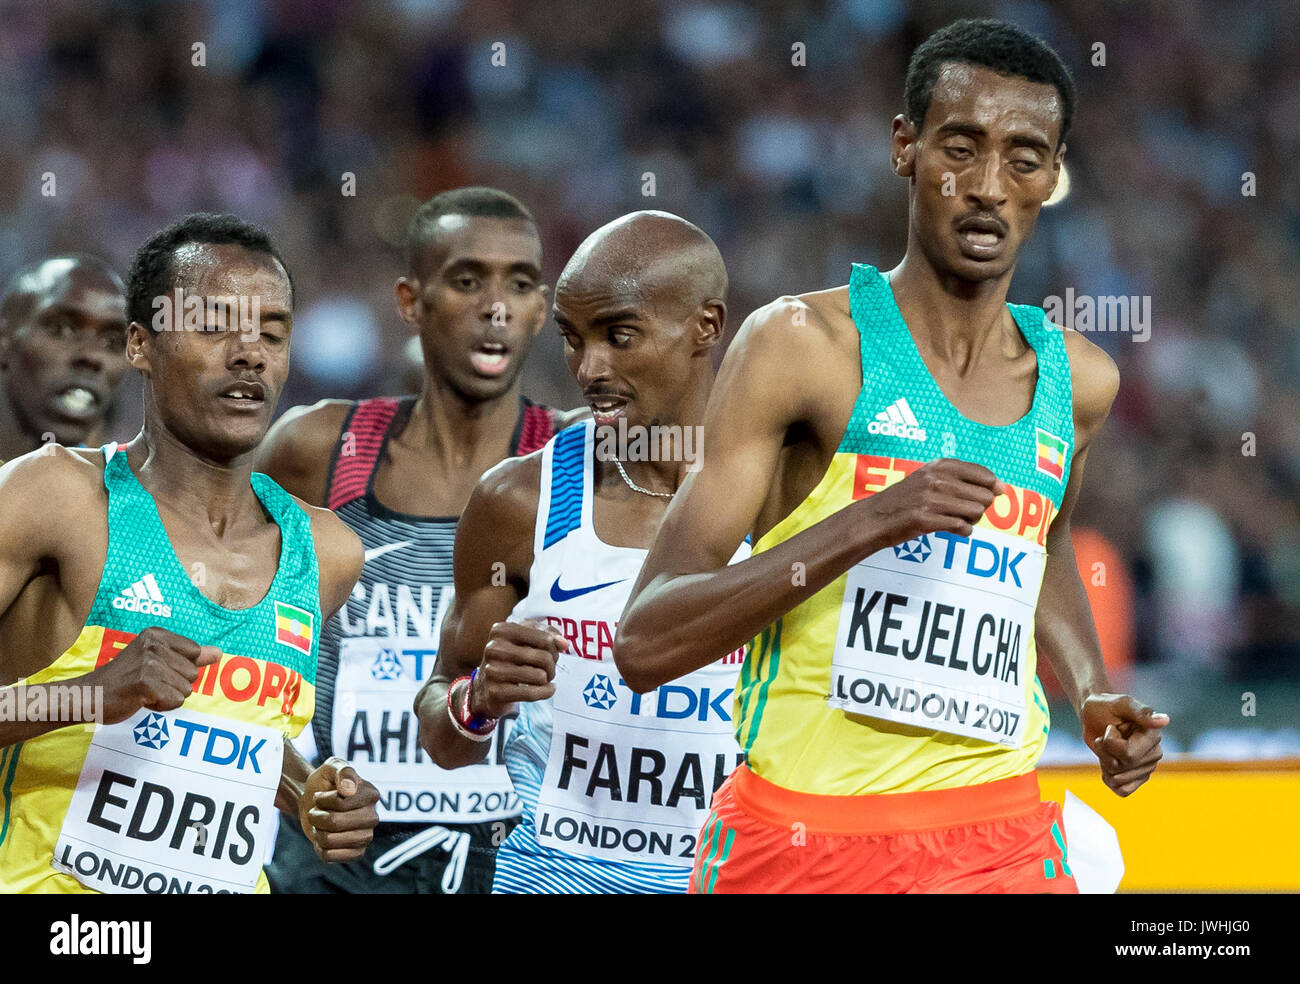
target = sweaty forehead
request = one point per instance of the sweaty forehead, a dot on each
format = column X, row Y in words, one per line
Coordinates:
column 975, row 94
column 597, row 287
column 577, row 299
column 65, row 282
column 217, row 269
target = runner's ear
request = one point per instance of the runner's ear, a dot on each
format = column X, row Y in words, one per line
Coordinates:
column 407, row 301
column 136, row 339
column 710, row 323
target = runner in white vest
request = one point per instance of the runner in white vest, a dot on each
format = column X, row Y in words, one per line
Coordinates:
column 614, row 785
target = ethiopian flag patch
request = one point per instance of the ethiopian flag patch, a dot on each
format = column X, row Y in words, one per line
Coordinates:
column 293, row 627
column 1051, row 454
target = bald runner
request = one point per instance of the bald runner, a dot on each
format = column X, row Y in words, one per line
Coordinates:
column 62, row 352
column 614, row 784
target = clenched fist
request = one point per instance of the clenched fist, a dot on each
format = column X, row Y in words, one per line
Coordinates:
column 518, row 665
column 946, row 495
column 337, row 811
column 156, row 670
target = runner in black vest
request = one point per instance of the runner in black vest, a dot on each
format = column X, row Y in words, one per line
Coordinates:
column 398, row 472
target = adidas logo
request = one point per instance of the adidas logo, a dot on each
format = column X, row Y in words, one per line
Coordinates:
column 143, row 597
column 897, row 420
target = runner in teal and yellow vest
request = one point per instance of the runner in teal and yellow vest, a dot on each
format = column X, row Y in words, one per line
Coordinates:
column 160, row 609
column 907, row 451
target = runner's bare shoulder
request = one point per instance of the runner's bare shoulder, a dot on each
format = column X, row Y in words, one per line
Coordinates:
column 55, row 498
column 339, row 555
column 500, row 515
column 1094, row 378
column 299, row 447
column 801, row 350
column 508, row 491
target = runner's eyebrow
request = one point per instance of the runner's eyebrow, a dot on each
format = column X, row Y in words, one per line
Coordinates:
column 1019, row 139
column 963, row 129
column 623, row 314
column 480, row 268
column 62, row 309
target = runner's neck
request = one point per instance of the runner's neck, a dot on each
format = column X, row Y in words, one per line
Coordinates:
column 663, row 476
column 175, row 475
column 445, row 426
column 949, row 319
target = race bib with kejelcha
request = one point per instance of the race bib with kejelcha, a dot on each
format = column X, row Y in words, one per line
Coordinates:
column 933, row 633
column 630, row 776
column 375, row 728
column 173, row 802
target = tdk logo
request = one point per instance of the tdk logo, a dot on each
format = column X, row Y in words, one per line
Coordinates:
column 982, row 558
column 152, row 731
column 675, row 703
column 215, row 745
column 916, row 550
column 386, row 666
column 599, row 692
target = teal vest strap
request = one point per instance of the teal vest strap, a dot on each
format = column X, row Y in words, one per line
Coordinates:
column 901, row 411
column 144, row 583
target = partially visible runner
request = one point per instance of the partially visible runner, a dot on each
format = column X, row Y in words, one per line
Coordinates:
column 62, row 335
column 398, row 471
column 908, row 450
column 614, row 785
column 165, row 588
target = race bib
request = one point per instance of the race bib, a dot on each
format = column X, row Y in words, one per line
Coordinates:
column 173, row 802
column 375, row 728
column 934, row 633
column 630, row 776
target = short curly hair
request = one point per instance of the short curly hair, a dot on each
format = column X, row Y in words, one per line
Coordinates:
column 994, row 44
column 476, row 202
column 152, row 271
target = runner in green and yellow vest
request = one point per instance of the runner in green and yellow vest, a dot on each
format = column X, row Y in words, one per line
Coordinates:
column 160, row 606
column 907, row 450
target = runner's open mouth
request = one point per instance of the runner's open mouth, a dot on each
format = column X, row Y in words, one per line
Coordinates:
column 490, row 358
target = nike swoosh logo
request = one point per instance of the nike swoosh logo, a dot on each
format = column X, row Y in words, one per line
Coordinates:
column 386, row 548
column 559, row 594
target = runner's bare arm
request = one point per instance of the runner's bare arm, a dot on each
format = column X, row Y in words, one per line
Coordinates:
column 493, row 554
column 688, row 608
column 293, row 779
column 1063, row 626
column 334, row 806
column 339, row 555
column 297, row 450
column 43, row 497
column 1124, row 734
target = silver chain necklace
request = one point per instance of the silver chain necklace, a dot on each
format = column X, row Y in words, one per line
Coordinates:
column 636, row 488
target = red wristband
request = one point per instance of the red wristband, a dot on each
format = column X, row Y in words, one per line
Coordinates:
column 471, row 726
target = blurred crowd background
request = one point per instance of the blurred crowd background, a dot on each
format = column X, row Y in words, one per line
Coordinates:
column 1183, row 189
